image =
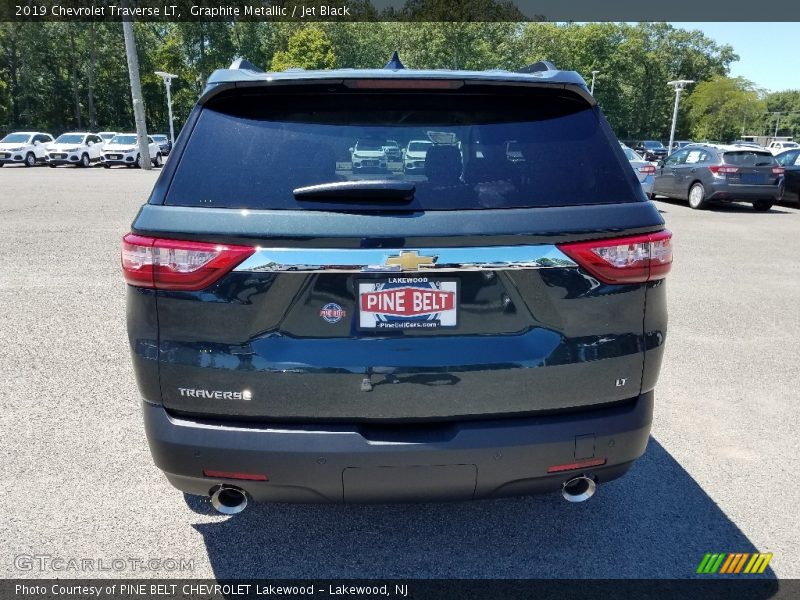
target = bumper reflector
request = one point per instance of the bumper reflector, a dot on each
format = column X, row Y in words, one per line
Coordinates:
column 581, row 464
column 229, row 475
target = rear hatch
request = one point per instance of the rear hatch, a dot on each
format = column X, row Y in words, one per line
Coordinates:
column 751, row 167
column 394, row 296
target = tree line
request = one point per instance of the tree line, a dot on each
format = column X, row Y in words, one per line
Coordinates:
column 68, row 76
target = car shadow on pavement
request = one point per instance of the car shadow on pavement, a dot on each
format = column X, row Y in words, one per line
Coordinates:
column 655, row 522
column 731, row 207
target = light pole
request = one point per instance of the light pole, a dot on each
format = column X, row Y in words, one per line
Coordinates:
column 594, row 75
column 777, row 123
column 136, row 95
column 168, row 77
column 679, row 86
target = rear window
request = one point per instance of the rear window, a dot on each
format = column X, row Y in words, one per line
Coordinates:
column 748, row 158
column 252, row 151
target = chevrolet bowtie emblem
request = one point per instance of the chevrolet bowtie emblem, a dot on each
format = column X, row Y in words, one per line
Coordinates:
column 409, row 260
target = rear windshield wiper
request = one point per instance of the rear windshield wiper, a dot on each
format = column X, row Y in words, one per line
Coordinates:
column 382, row 190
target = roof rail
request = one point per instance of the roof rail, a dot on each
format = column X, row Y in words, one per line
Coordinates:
column 542, row 65
column 394, row 62
column 242, row 64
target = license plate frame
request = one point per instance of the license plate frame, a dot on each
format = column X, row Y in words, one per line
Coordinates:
column 405, row 302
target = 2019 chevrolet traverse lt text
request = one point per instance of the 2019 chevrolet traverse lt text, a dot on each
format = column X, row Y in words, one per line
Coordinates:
column 482, row 328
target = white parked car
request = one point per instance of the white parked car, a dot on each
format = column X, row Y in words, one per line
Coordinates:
column 368, row 155
column 78, row 148
column 392, row 150
column 414, row 156
column 123, row 149
column 107, row 135
column 645, row 170
column 24, row 148
column 778, row 147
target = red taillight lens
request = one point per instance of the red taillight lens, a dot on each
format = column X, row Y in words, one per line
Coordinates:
column 648, row 169
column 722, row 169
column 175, row 264
column 634, row 259
column 778, row 170
column 592, row 462
column 234, row 475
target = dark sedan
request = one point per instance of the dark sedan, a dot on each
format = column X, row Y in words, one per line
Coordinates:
column 651, row 150
column 790, row 161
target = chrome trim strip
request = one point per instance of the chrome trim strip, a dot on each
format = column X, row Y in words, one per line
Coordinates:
column 369, row 260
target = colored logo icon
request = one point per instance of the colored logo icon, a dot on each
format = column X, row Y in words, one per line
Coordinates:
column 332, row 312
column 734, row 563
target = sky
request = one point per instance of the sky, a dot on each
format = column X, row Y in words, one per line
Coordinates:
column 768, row 52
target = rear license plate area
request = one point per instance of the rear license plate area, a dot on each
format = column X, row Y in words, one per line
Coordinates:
column 407, row 302
column 409, row 484
column 753, row 178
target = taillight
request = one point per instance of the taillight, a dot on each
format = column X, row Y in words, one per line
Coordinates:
column 175, row 264
column 647, row 169
column 778, row 170
column 722, row 169
column 633, row 259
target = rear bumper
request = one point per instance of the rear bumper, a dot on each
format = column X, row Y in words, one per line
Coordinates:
column 725, row 191
column 361, row 463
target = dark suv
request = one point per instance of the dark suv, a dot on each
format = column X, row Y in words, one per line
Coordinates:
column 303, row 333
column 651, row 150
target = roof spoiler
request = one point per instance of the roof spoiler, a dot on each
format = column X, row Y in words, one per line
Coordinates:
column 241, row 64
column 538, row 67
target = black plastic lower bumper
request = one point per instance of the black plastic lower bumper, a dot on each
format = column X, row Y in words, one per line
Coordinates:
column 361, row 463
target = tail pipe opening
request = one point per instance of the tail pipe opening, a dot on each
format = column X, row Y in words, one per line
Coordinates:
column 228, row 499
column 578, row 489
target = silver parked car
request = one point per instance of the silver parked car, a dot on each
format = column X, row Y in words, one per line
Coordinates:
column 645, row 170
column 727, row 173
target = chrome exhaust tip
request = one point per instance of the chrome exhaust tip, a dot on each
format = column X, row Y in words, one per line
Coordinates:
column 578, row 489
column 228, row 499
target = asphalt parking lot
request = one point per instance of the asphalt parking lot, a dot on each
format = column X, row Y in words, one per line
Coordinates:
column 718, row 476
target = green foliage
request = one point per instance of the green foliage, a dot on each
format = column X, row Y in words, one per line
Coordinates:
column 788, row 104
column 634, row 63
column 59, row 76
column 308, row 48
column 721, row 107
